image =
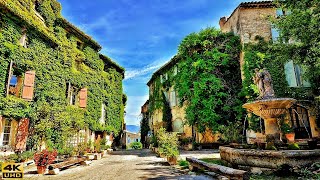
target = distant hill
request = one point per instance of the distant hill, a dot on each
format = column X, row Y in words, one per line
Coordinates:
column 133, row 128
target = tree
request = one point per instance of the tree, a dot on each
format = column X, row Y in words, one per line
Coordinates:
column 144, row 128
column 209, row 79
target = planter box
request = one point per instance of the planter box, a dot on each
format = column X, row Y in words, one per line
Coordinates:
column 54, row 171
column 90, row 156
column 172, row 160
column 109, row 151
column 97, row 156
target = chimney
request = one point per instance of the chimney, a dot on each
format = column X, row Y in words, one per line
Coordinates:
column 222, row 21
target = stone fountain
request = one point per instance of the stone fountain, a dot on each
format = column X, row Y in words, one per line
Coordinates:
column 268, row 107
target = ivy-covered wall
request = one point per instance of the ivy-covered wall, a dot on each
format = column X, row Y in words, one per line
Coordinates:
column 56, row 65
column 272, row 56
column 208, row 81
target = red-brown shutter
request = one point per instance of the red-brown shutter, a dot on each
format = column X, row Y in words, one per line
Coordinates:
column 22, row 134
column 28, row 85
column 83, row 98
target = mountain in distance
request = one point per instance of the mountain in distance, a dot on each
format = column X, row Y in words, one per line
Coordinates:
column 133, row 128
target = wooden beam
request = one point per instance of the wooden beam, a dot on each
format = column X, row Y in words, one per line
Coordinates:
column 9, row 77
column 223, row 170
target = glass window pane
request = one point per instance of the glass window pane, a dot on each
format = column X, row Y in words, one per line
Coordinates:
column 7, row 130
column 13, row 80
column 275, row 34
column 279, row 12
column 290, row 74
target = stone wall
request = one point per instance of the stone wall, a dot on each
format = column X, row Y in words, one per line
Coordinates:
column 249, row 23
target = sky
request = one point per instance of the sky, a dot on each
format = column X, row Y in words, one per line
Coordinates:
column 142, row 35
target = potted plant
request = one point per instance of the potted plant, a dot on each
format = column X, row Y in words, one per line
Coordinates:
column 288, row 132
column 168, row 145
column 43, row 159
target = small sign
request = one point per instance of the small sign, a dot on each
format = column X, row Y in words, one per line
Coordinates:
column 12, row 170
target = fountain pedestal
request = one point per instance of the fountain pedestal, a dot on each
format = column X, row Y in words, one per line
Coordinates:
column 271, row 126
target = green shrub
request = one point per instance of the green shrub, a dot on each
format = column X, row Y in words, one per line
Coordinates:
column 13, row 158
column 293, row 146
column 168, row 143
column 25, row 156
column 270, row 146
column 154, row 141
column 68, row 150
column 136, row 145
column 184, row 164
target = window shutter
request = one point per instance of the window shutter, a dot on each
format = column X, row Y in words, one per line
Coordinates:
column 290, row 74
column 22, row 134
column 83, row 98
column 28, row 85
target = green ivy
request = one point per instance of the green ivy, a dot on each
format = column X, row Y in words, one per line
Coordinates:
column 209, row 79
column 273, row 57
column 52, row 118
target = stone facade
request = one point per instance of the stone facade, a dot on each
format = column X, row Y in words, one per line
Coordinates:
column 249, row 20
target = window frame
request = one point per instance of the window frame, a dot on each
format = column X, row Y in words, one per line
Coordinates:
column 3, row 133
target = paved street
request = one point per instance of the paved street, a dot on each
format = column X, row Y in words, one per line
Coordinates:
column 129, row 165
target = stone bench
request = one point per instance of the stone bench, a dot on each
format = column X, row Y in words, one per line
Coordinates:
column 221, row 170
column 55, row 168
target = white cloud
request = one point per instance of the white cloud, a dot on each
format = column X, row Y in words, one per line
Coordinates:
column 132, row 73
column 133, row 109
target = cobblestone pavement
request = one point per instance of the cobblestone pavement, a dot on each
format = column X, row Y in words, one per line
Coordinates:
column 127, row 165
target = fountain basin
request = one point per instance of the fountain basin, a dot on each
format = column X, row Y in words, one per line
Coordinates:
column 269, row 108
column 269, row 158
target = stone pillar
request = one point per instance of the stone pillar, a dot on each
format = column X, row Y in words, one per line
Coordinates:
column 271, row 126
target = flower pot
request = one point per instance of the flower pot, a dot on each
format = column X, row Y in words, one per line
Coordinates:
column 172, row 160
column 290, row 137
column 41, row 169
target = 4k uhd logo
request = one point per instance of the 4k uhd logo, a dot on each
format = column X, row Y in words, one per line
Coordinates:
column 12, row 170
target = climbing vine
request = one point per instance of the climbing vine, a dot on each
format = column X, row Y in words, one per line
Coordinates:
column 57, row 65
column 209, row 79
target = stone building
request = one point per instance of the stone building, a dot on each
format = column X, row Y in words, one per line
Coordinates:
column 22, row 83
column 251, row 19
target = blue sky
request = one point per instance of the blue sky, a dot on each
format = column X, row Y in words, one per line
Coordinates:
column 141, row 35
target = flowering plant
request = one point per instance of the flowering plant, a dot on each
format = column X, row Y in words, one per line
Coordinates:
column 45, row 157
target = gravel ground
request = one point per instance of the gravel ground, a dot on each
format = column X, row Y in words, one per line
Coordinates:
column 127, row 165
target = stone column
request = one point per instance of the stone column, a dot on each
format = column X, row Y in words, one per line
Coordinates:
column 271, row 126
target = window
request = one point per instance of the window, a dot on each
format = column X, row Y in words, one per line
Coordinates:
column 166, row 76
column 103, row 113
column 79, row 45
column 161, row 78
column 15, row 82
column 275, row 34
column 175, row 70
column 23, row 40
column 173, row 99
column 77, row 138
column 73, row 96
column 178, row 126
column 6, row 133
column 294, row 75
